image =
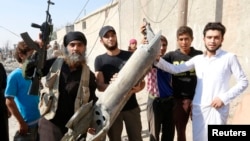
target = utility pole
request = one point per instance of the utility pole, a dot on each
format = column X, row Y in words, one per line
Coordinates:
column 182, row 16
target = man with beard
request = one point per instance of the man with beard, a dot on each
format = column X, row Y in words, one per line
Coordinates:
column 213, row 69
column 107, row 65
column 71, row 72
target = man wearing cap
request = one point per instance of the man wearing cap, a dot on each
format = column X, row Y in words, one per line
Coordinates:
column 71, row 71
column 106, row 65
column 132, row 45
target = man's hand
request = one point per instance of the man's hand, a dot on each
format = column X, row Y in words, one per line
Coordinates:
column 39, row 41
column 217, row 103
column 143, row 31
column 23, row 128
column 114, row 77
column 144, row 41
column 158, row 58
column 138, row 87
column 92, row 131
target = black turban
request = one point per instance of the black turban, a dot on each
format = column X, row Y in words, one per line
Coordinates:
column 75, row 35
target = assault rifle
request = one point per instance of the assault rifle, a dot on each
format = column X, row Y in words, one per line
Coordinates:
column 46, row 30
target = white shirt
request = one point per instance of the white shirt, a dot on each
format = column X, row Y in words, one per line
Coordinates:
column 213, row 76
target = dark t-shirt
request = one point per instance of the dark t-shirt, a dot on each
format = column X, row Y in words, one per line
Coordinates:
column 109, row 65
column 183, row 83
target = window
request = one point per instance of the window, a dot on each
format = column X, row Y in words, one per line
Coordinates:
column 84, row 25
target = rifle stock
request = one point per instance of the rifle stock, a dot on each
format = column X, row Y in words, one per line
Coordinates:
column 34, row 88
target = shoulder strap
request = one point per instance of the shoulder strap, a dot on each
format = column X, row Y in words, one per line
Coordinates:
column 83, row 90
column 51, row 78
column 50, row 93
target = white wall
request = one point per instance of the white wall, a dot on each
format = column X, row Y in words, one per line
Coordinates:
column 126, row 16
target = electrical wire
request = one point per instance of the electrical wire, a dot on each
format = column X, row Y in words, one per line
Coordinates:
column 9, row 31
column 158, row 21
column 101, row 27
column 81, row 10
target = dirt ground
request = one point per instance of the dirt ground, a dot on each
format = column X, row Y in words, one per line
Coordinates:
column 142, row 99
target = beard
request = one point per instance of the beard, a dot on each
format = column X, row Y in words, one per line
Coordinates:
column 110, row 48
column 212, row 50
column 75, row 59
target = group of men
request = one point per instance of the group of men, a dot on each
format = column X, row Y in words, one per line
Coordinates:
column 211, row 93
column 171, row 94
column 192, row 82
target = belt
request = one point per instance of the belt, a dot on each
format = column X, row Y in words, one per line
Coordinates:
column 152, row 96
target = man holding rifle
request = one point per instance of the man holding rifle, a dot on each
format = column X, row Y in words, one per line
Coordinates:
column 64, row 88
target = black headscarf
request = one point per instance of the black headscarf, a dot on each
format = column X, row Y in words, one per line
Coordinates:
column 75, row 35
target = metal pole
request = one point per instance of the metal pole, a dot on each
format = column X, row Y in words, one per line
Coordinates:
column 183, row 6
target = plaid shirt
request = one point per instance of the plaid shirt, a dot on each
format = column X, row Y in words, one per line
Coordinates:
column 152, row 84
column 159, row 83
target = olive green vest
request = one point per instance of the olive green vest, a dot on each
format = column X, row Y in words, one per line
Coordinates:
column 50, row 90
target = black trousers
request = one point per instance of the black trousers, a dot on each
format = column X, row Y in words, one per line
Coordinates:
column 160, row 118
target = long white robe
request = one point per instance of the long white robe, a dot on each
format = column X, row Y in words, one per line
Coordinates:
column 213, row 77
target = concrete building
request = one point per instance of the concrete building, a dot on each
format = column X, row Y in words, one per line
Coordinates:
column 126, row 16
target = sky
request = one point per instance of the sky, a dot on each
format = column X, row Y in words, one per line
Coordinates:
column 18, row 15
